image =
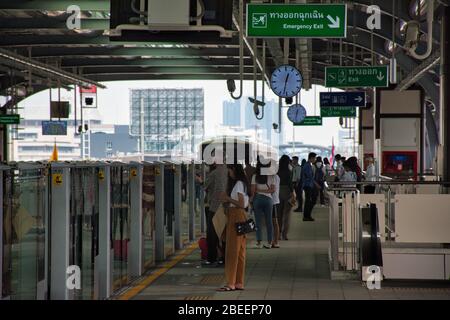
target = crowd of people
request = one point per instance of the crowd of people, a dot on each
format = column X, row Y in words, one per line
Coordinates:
column 271, row 196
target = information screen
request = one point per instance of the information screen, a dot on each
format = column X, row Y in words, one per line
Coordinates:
column 54, row 128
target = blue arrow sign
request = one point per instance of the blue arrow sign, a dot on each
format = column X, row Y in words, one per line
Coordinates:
column 342, row 99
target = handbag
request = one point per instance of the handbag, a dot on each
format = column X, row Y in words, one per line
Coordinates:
column 245, row 227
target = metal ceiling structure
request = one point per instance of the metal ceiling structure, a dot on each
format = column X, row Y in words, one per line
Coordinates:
column 37, row 29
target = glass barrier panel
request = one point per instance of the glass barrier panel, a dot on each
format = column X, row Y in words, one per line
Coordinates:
column 184, row 230
column 169, row 208
column 24, row 233
column 120, row 224
column 148, row 214
column 84, row 219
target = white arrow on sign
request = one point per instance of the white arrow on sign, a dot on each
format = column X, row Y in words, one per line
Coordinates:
column 380, row 77
column 334, row 23
column 359, row 99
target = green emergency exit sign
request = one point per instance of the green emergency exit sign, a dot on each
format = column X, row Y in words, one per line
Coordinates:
column 310, row 121
column 337, row 112
column 356, row 77
column 297, row 20
column 9, row 119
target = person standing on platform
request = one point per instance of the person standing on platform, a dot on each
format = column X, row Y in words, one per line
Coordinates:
column 370, row 176
column 263, row 186
column 286, row 194
column 215, row 185
column 319, row 177
column 299, row 189
column 276, row 208
column 309, row 186
column 236, row 198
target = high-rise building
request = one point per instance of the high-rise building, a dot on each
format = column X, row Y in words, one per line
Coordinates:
column 239, row 113
column 166, row 114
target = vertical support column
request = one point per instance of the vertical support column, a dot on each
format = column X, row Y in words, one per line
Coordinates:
column 191, row 192
column 445, row 95
column 177, row 206
column 377, row 131
column 159, row 212
column 104, row 268
column 60, row 222
column 1, row 233
column 136, row 244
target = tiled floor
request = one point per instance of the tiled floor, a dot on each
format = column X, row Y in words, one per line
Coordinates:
column 298, row 270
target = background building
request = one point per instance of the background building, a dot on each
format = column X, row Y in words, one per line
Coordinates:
column 110, row 141
column 169, row 116
column 239, row 114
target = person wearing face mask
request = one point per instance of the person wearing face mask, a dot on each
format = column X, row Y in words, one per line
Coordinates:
column 319, row 177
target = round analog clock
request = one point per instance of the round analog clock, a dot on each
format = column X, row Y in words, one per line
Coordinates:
column 286, row 81
column 296, row 113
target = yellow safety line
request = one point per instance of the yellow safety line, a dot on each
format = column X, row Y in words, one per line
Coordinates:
column 134, row 291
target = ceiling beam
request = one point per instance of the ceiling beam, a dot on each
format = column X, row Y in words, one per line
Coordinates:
column 55, row 5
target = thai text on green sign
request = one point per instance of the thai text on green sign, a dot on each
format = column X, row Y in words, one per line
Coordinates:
column 310, row 121
column 297, row 20
column 337, row 112
column 9, row 119
column 356, row 77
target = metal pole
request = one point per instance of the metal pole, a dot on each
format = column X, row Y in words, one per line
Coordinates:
column 445, row 95
column 141, row 139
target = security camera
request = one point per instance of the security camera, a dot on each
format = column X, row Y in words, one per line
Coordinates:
column 256, row 109
column 275, row 126
column 412, row 35
column 231, row 85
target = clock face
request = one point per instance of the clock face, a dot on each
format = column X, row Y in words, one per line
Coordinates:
column 286, row 81
column 296, row 113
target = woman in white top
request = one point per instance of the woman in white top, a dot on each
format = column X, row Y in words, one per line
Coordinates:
column 237, row 200
column 263, row 185
column 348, row 176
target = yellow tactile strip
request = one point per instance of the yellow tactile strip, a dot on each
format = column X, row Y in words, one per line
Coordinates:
column 214, row 279
column 197, row 298
column 135, row 290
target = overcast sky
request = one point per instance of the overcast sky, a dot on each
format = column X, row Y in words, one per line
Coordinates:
column 113, row 106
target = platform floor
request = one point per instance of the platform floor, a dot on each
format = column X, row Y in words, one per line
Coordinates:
column 298, row 270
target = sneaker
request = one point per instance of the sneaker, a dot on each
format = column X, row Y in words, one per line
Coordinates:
column 276, row 246
column 308, row 219
column 267, row 246
column 258, row 246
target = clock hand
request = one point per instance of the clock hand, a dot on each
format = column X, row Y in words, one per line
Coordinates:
column 285, row 83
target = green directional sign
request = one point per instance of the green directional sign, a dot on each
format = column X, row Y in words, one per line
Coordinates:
column 337, row 112
column 297, row 20
column 310, row 121
column 356, row 77
column 9, row 119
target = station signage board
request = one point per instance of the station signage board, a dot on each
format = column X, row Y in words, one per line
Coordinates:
column 310, row 121
column 54, row 128
column 342, row 99
column 337, row 112
column 296, row 20
column 9, row 119
column 356, row 77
